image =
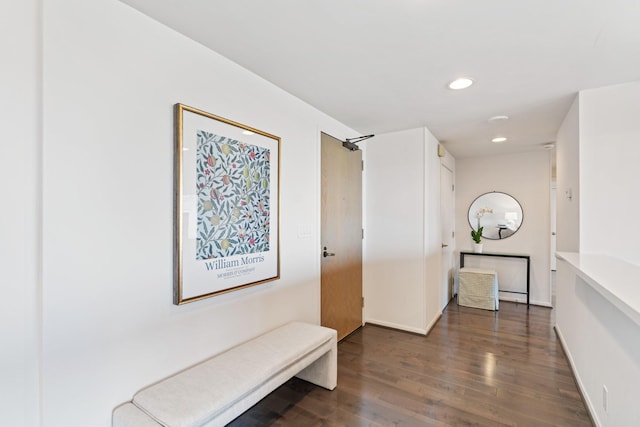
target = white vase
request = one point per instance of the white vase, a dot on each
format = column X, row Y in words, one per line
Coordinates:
column 477, row 248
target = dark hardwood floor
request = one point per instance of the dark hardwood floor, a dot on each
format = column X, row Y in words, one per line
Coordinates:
column 475, row 368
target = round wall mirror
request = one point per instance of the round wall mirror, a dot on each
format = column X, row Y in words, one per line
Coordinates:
column 499, row 214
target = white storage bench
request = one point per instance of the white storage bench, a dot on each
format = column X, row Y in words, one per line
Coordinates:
column 478, row 288
column 214, row 392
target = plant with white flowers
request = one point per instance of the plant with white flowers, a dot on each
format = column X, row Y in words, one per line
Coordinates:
column 481, row 212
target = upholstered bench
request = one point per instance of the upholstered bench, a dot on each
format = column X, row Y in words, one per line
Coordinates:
column 478, row 288
column 214, row 392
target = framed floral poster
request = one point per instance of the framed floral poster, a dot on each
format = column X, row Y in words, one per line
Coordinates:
column 226, row 228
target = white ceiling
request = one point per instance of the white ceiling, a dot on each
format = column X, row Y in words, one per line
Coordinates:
column 383, row 65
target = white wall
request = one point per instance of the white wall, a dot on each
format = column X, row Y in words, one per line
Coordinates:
column 401, row 272
column 603, row 347
column 568, row 182
column 610, row 173
column 526, row 177
column 111, row 78
column 598, row 153
column 20, row 177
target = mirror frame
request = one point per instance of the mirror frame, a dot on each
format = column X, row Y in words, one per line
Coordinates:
column 499, row 233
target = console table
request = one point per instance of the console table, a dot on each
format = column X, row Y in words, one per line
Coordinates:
column 494, row 254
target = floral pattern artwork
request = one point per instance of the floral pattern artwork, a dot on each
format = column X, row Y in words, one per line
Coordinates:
column 233, row 181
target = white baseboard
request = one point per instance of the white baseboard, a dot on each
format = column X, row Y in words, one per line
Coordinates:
column 581, row 388
column 397, row 326
column 420, row 331
column 524, row 301
column 433, row 322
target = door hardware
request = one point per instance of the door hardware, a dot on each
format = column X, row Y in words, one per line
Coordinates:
column 326, row 254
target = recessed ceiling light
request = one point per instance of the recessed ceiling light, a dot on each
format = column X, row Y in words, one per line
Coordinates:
column 461, row 83
column 499, row 139
column 247, row 132
column 498, row 119
column 548, row 146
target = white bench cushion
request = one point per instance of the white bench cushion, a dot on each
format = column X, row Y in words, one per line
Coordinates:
column 201, row 393
column 128, row 414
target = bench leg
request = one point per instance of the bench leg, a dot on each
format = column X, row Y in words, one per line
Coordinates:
column 324, row 371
